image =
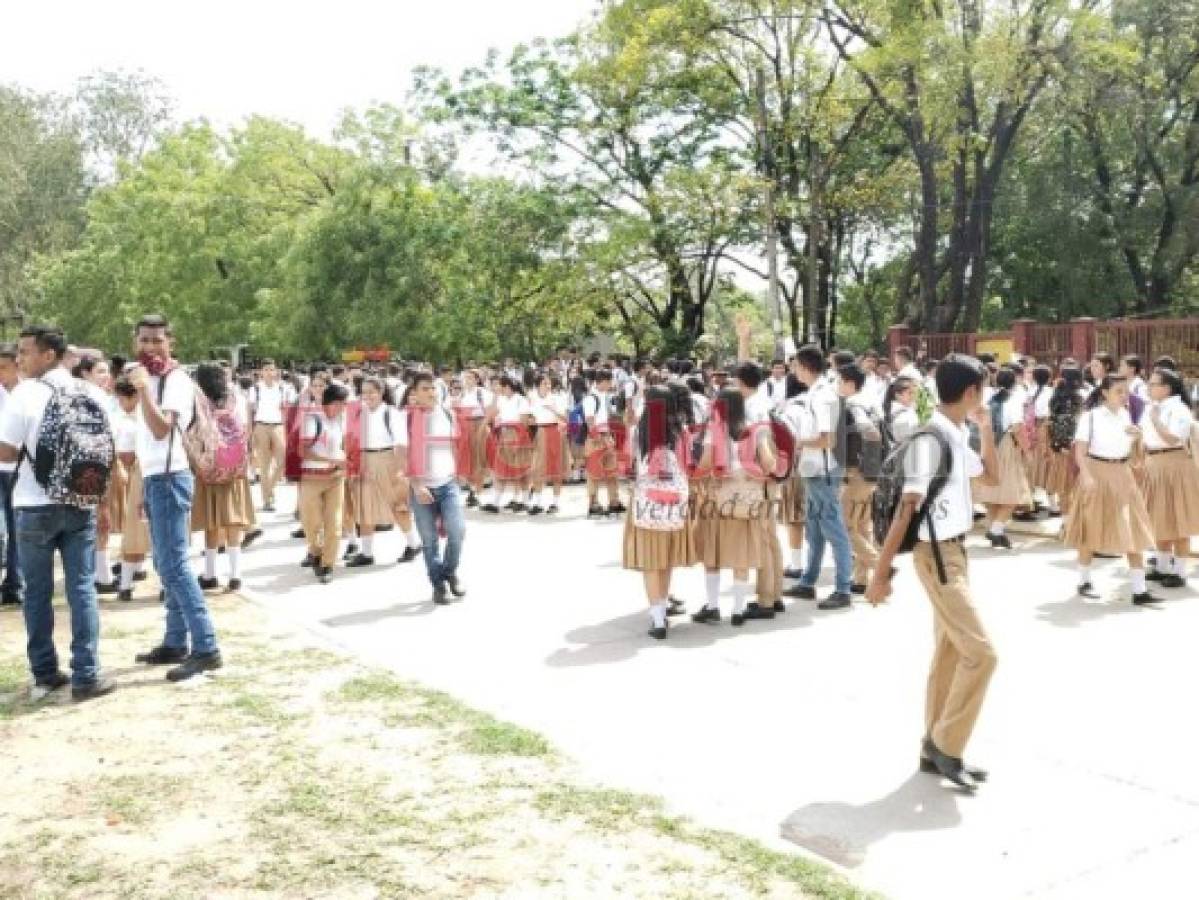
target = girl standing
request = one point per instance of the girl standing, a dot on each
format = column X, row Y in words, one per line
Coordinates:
column 1007, row 422
column 514, row 447
column 899, row 408
column 1171, row 488
column 374, row 489
column 129, row 516
column 1108, row 514
column 1065, row 407
column 551, row 453
column 471, row 409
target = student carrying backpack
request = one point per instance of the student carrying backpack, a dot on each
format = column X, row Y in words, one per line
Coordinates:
column 75, row 451
column 867, row 441
column 926, row 445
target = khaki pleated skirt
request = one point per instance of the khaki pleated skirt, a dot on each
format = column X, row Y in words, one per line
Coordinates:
column 1109, row 516
column 1172, row 495
column 478, row 431
column 547, row 434
column 513, row 453
column 647, row 550
column 600, row 458
column 1013, row 488
column 726, row 543
column 1060, row 475
column 116, row 498
column 222, row 505
column 792, row 499
column 1040, row 457
column 135, row 530
column 376, row 490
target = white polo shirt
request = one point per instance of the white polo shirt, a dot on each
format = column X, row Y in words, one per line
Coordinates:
column 1103, row 431
column 20, row 423
column 953, row 507
column 179, row 397
column 269, row 401
column 1176, row 418
column 823, row 403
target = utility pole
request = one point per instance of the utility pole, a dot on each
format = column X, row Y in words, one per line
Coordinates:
column 772, row 252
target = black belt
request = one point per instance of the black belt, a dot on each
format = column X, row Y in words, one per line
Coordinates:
column 378, row 450
column 268, row 424
column 1122, row 459
column 960, row 539
column 1156, row 451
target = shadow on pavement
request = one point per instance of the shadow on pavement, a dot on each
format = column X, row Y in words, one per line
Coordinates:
column 372, row 616
column 1075, row 611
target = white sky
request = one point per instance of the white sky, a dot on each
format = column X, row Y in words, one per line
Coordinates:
column 301, row 61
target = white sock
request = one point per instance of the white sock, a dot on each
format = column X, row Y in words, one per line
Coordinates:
column 127, row 572
column 493, row 497
column 1138, row 580
column 103, row 569
column 141, row 567
column 740, row 591
column 547, row 497
column 712, row 584
column 996, row 528
column 210, row 563
column 657, row 613
column 368, row 544
column 1165, row 563
column 233, row 554
column 1084, row 574
column 797, row 558
column 1180, row 566
column 349, row 537
column 413, row 538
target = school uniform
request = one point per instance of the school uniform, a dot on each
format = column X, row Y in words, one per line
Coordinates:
column 1170, row 486
column 269, row 438
column 551, row 451
column 857, row 503
column 774, row 392
column 1013, row 488
column 1040, row 456
column 1108, row 516
column 904, row 422
column 599, row 450
column 322, row 488
column 471, row 411
column 514, row 445
column 1061, row 473
column 657, row 532
column 380, row 492
column 228, row 505
column 133, row 526
column 802, row 422
column 723, row 541
column 963, row 656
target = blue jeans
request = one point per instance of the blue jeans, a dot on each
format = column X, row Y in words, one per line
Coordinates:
column 448, row 506
column 169, row 509
column 71, row 531
column 824, row 522
column 14, row 585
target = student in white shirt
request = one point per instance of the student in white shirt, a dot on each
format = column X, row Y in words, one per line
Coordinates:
column 470, row 411
column 904, row 367
column 899, row 409
column 1171, row 488
column 168, row 399
column 1109, row 514
column 131, row 520
column 1006, row 408
column 13, row 588
column 427, row 455
column 43, row 526
column 600, row 450
column 513, row 448
column 774, row 388
column 963, row 657
column 551, row 454
column 1132, row 367
column 322, row 480
column 268, row 398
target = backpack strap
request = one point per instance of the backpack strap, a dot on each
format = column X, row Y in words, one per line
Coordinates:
column 387, row 421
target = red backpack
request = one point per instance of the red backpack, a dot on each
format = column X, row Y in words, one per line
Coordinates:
column 217, row 443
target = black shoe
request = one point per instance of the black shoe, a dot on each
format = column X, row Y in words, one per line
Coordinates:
column 111, row 588
column 440, row 596
column 298, row 534
column 235, row 584
column 324, row 574
column 658, row 634
column 351, row 551
column 535, row 510
column 674, row 607
column 1054, row 514
column 979, row 516
column 595, row 511
column 737, row 619
column 1106, row 555
column 97, row 688
column 928, row 767
column 268, row 507
column 793, row 574
column 471, row 500
column 1154, row 575
column 195, row 664
column 309, row 561
column 251, row 538
column 409, row 554
column 949, row 767
column 512, row 504
column 707, row 614
column 208, row 584
column 800, row 592
column 221, row 549
column 162, row 656
column 489, row 508
column 755, row 611
column 616, row 509
column 780, row 606
column 834, row 601
column 552, row 510
column 857, row 589
column 999, row 540
column 125, row 596
column 1086, row 589
column 140, row 576
column 455, row 586
column 360, row 560
column 54, row 682
column 1026, row 516
column 1145, row 597
column 1173, row 581
column 10, row 600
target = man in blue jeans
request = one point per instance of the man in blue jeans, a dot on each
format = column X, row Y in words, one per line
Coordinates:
column 43, row 527
column 168, row 396
column 822, row 477
column 425, row 438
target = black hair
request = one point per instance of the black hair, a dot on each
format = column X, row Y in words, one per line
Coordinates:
column 795, row 387
column 853, row 373
column 512, row 384
column 602, row 375
column 123, row 387
column 1106, row 359
column 578, row 388
column 732, row 404
column 211, row 379
column 956, row 374
column 895, row 388
column 811, row 358
column 1172, row 380
column 153, row 320
column 379, row 385
column 696, row 385
column 1166, row 362
column 659, row 421
column 843, row 358
column 749, row 374
column 335, row 393
column 684, row 408
column 47, row 337
column 1134, row 362
column 1109, row 381
column 904, row 353
column 245, row 382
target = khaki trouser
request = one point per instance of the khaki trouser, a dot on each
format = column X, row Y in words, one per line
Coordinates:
column 269, row 448
column 320, row 512
column 769, row 580
column 963, row 658
column 857, row 507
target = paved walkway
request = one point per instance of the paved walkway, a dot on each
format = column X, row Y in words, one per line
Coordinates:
column 805, row 729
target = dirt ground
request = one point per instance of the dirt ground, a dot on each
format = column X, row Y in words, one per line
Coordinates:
column 296, row 772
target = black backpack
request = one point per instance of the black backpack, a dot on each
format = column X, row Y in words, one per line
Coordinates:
column 1063, row 420
column 75, row 452
column 889, row 489
column 866, row 444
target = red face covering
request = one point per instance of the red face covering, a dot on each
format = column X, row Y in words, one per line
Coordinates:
column 155, row 365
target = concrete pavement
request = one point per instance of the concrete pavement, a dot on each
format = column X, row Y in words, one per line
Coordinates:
column 804, row 730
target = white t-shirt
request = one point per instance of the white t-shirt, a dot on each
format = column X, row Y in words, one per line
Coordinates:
column 823, row 403
column 953, row 507
column 758, row 407
column 1176, row 419
column 4, row 395
column 270, row 400
column 595, row 406
column 179, row 397
column 1042, row 401
column 904, row 421
column 699, row 407
column 1103, row 432
column 378, row 436
column 512, row 409
column 775, row 391
column 439, row 466
column 477, row 400
column 19, row 425
column 546, row 410
column 326, row 437
column 125, row 427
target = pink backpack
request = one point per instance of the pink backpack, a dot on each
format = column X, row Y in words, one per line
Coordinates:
column 1030, row 424
column 217, row 444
